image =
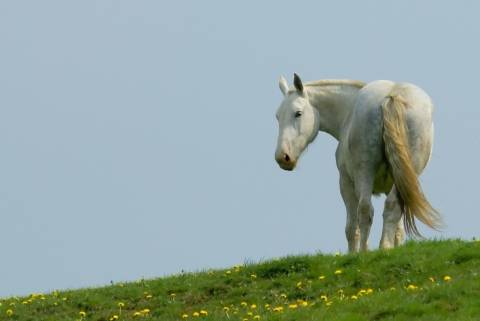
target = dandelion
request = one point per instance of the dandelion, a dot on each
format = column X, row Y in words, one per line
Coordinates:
column 354, row 297
column 145, row 311
column 369, row 291
column 447, row 278
column 283, row 296
column 278, row 309
column 114, row 317
column 9, row 312
column 329, row 303
column 299, row 284
column 148, row 296
column 82, row 314
column 304, row 303
column 256, row 317
column 432, row 279
column 338, row 272
column 196, row 314
column 243, row 304
column 412, row 287
column 253, row 306
column 321, row 277
column 267, row 306
column 253, row 276
column 292, row 306
column 249, row 313
column 184, row 316
column 228, row 272
column 121, row 304
column 324, row 298
column 137, row 314
column 226, row 309
column 203, row 312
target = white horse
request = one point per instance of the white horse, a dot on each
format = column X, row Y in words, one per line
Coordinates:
column 385, row 135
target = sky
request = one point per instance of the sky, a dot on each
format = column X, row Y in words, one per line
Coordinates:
column 137, row 138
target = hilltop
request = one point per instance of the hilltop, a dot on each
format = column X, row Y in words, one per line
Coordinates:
column 431, row 280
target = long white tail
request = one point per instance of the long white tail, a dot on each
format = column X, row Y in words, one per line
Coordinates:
column 413, row 202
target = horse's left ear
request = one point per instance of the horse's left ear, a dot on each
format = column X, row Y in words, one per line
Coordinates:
column 297, row 82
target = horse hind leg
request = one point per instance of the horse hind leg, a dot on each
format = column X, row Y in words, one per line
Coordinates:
column 400, row 233
column 392, row 232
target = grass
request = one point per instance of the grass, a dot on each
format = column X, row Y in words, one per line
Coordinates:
column 433, row 280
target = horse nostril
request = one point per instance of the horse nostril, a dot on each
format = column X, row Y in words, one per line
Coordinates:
column 286, row 157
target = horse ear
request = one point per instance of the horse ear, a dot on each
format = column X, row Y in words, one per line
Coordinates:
column 297, row 82
column 283, row 85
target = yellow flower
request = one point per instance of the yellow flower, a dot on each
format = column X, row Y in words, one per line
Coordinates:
column 324, row 298
column 253, row 276
column 226, row 309
column 228, row 272
column 203, row 312
column 257, row 317
column 114, row 317
column 121, row 304
column 329, row 303
column 278, row 309
column 293, row 306
column 412, row 287
column 196, row 314
column 283, row 296
column 447, row 278
column 82, row 314
column 299, row 284
column 148, row 296
column 9, row 312
column 184, row 316
column 432, row 279
column 145, row 311
column 304, row 303
column 321, row 277
column 250, row 313
column 137, row 314
column 369, row 291
column 354, row 297
column 267, row 306
column 338, row 272
column 243, row 304
column 253, row 306
column 173, row 295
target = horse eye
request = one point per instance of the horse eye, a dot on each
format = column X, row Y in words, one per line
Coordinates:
column 298, row 114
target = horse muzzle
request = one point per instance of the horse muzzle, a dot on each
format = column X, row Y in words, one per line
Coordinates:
column 285, row 161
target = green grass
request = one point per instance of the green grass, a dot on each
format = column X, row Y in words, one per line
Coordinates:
column 407, row 283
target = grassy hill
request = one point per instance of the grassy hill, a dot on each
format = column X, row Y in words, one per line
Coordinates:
column 434, row 280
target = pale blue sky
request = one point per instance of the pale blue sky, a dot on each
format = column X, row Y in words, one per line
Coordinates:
column 137, row 137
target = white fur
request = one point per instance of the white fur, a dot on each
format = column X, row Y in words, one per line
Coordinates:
column 350, row 111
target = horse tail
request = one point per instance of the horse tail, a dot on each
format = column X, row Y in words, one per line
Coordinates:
column 411, row 198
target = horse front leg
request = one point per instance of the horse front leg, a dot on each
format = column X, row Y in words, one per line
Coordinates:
column 364, row 187
column 352, row 231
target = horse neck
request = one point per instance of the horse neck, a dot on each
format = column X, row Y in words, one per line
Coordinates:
column 334, row 104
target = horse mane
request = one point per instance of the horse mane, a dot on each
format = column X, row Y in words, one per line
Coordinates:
column 336, row 82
